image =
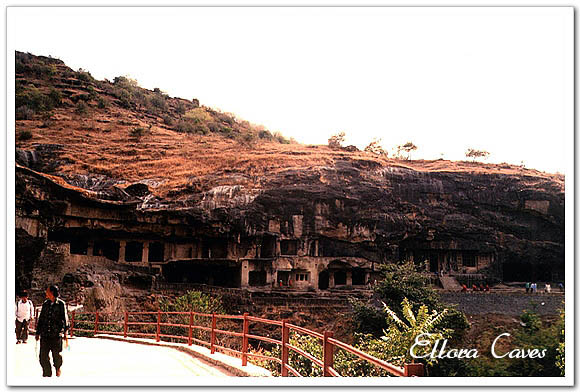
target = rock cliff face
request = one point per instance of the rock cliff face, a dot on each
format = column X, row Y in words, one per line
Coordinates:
column 339, row 221
column 169, row 207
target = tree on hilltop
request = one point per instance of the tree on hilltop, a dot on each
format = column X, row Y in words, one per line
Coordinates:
column 406, row 148
column 476, row 154
column 375, row 147
column 335, row 141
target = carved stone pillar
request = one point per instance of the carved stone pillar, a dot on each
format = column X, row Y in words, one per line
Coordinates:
column 245, row 271
column 349, row 278
column 145, row 254
column 122, row 251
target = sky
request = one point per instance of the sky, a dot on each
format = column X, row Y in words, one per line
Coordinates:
column 446, row 79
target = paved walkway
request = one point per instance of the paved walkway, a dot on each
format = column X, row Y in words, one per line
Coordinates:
column 108, row 362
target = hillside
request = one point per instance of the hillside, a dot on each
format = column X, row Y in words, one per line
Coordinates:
column 72, row 126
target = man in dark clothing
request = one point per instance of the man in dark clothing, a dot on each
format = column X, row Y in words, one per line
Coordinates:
column 52, row 321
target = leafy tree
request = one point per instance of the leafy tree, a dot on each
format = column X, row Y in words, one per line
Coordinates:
column 375, row 147
column 335, row 141
column 476, row 154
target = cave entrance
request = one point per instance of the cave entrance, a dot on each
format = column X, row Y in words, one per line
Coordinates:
column 517, row 272
column 107, row 248
column 257, row 278
column 289, row 247
column 215, row 248
column 133, row 251
column 157, row 250
column 323, row 279
column 222, row 274
column 268, row 248
column 433, row 262
column 79, row 246
column 358, row 276
column 339, row 277
column 543, row 273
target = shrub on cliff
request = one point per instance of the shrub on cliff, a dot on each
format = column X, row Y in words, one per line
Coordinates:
column 25, row 135
column 476, row 154
column 82, row 109
column 34, row 99
column 404, row 151
column 375, row 147
column 335, row 141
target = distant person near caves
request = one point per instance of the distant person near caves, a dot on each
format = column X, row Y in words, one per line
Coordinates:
column 24, row 315
column 52, row 321
column 527, row 287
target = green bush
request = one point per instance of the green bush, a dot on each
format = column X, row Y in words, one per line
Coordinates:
column 125, row 98
column 265, row 134
column 24, row 113
column 180, row 108
column 25, row 135
column 532, row 335
column 168, row 120
column 158, row 101
column 34, row 99
column 188, row 126
column 137, row 132
column 102, row 103
column 192, row 301
column 84, row 76
column 82, row 109
column 55, row 97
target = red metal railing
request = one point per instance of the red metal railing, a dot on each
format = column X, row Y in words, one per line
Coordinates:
column 329, row 344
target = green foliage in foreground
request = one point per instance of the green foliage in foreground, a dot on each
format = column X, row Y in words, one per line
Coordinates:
column 392, row 347
column 534, row 334
column 192, row 301
column 403, row 281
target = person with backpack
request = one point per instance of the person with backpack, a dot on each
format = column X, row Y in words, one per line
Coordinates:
column 52, row 322
column 24, row 315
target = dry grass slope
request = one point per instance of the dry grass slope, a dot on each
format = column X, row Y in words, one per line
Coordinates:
column 135, row 140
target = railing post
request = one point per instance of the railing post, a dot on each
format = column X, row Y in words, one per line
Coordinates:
column 285, row 340
column 212, row 337
column 72, row 324
column 328, row 354
column 126, row 324
column 157, row 337
column 96, row 322
column 414, row 369
column 245, row 340
column 190, row 328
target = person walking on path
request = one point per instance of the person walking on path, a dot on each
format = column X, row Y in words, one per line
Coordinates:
column 24, row 315
column 527, row 287
column 52, row 321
